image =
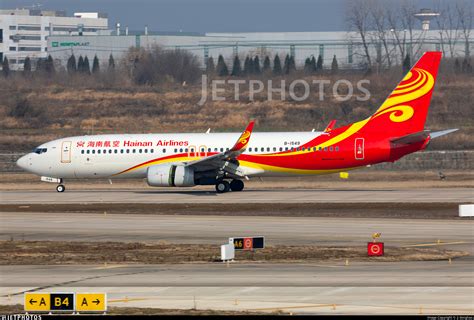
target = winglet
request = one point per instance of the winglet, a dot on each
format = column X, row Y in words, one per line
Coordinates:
column 244, row 138
column 330, row 126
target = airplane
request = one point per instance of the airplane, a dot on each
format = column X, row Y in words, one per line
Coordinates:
column 396, row 129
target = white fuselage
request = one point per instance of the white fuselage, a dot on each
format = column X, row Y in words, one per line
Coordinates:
column 105, row 156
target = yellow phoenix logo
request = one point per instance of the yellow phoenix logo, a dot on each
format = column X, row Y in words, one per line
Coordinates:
column 416, row 84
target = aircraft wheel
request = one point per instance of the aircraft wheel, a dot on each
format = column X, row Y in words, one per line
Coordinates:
column 237, row 185
column 222, row 186
column 60, row 188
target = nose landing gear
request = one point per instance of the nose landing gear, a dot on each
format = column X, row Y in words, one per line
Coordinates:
column 60, row 188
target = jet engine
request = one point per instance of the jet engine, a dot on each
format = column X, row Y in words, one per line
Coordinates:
column 170, row 175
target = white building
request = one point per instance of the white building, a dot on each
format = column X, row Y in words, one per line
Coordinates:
column 345, row 46
column 24, row 32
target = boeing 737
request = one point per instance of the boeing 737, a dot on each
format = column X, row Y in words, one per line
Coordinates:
column 226, row 160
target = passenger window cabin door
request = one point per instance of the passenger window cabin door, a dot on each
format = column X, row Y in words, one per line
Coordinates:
column 359, row 148
column 66, row 152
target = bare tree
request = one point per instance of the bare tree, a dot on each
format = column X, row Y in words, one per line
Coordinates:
column 408, row 21
column 379, row 24
column 357, row 19
column 448, row 26
column 465, row 16
column 396, row 29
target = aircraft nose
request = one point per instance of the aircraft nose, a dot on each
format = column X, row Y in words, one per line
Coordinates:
column 22, row 162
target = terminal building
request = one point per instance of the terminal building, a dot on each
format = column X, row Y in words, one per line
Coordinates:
column 24, row 32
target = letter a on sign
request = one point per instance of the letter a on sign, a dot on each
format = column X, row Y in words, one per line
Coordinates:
column 91, row 302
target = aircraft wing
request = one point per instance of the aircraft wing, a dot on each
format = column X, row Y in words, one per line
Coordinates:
column 225, row 161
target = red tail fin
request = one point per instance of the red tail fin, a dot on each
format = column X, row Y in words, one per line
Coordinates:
column 406, row 108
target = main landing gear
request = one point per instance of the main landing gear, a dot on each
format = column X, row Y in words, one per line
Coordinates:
column 224, row 186
column 60, row 188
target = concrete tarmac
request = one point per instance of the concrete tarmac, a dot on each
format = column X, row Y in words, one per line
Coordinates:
column 458, row 234
column 189, row 195
column 432, row 287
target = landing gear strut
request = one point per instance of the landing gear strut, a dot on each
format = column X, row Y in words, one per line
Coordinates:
column 237, row 185
column 222, row 186
column 60, row 188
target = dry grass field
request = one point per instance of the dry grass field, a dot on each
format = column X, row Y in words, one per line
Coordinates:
column 58, row 252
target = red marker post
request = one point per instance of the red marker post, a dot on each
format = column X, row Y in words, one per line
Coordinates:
column 375, row 249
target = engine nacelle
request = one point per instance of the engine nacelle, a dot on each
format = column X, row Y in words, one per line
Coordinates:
column 170, row 176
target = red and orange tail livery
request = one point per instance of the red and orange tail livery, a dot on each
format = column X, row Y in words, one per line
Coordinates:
column 405, row 110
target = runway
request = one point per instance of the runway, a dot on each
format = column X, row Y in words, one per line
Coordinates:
column 216, row 229
column 189, row 195
column 302, row 288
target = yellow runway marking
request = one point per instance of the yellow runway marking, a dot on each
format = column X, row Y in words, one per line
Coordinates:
column 435, row 244
column 110, row 267
column 127, row 300
column 295, row 307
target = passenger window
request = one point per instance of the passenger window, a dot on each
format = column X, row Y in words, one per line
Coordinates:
column 320, row 148
column 314, row 149
column 175, row 150
column 152, row 150
column 292, row 149
column 121, row 150
column 274, row 149
column 82, row 151
column 250, row 149
column 88, row 151
column 262, row 149
column 115, row 151
column 222, row 149
column 202, row 149
column 286, row 148
column 337, row 148
column 181, row 150
column 325, row 148
column 164, row 150
column 128, row 150
column 104, row 151
column 186, row 150
column 281, row 149
column 208, row 149
column 215, row 149
column 98, row 151
column 110, row 150
column 146, row 150
column 93, row 151
column 331, row 148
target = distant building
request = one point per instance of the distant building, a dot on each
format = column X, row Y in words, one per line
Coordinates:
column 346, row 46
column 24, row 32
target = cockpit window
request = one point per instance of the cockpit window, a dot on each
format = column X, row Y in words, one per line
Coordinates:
column 40, row 150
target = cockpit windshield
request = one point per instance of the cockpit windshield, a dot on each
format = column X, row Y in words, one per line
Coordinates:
column 40, row 150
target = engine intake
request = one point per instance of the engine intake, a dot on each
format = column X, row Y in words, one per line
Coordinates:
column 170, row 176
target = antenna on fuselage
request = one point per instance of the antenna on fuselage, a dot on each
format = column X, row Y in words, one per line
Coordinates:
column 208, row 131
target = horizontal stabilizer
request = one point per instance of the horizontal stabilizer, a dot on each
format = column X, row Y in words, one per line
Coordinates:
column 438, row 134
column 421, row 136
column 412, row 138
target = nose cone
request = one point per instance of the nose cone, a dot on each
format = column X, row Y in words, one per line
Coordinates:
column 22, row 162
